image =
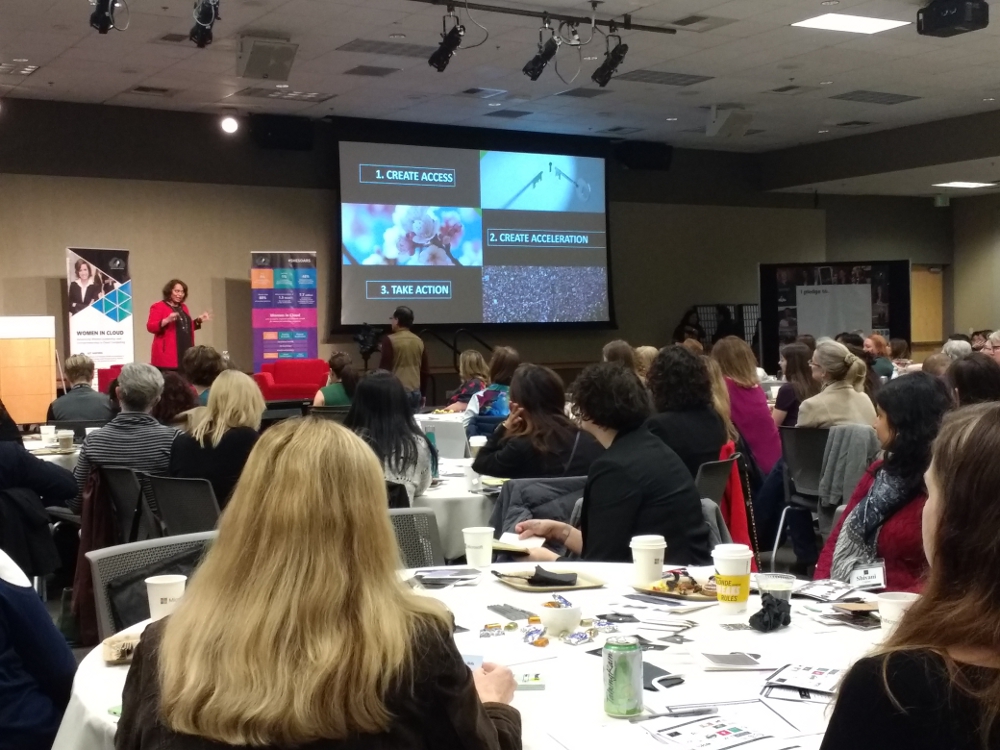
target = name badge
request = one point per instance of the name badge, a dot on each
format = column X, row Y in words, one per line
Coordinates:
column 867, row 577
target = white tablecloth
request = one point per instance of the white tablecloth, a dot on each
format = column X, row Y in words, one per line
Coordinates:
column 455, row 505
column 568, row 714
column 66, row 460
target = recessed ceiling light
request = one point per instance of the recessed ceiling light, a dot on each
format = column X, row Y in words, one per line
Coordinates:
column 965, row 185
column 825, row 83
column 851, row 24
column 671, row 119
column 494, row 104
column 821, row 132
column 830, row 2
column 989, row 99
column 20, row 59
column 229, row 125
column 281, row 85
column 397, row 36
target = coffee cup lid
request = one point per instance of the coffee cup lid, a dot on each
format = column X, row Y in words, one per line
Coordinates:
column 648, row 541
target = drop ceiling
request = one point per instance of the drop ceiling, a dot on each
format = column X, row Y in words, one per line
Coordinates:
column 741, row 53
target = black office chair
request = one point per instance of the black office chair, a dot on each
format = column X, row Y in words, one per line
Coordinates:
column 802, row 449
column 186, row 506
column 79, row 426
column 713, row 478
column 133, row 519
column 271, row 417
column 333, row 413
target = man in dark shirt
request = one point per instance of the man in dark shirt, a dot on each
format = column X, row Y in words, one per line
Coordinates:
column 19, row 469
column 81, row 402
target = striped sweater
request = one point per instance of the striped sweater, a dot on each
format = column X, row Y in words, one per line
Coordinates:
column 130, row 440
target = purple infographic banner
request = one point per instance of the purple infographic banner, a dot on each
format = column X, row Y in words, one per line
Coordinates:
column 283, row 285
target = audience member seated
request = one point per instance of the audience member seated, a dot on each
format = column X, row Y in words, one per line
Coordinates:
column 935, row 682
column 176, row 402
column 201, row 365
column 694, row 346
column 222, row 436
column 689, row 328
column 992, row 345
column 36, row 665
column 81, row 402
column 537, row 439
column 882, row 518
column 134, row 439
column 475, row 376
column 956, row 349
column 809, row 340
column 974, row 379
column 382, row 416
column 842, row 400
column 685, row 419
column 900, row 352
column 639, row 486
column 8, row 428
column 798, row 386
column 878, row 348
column 720, row 395
column 748, row 404
column 493, row 401
column 341, row 383
column 296, row 630
column 872, row 382
column 936, row 364
column 850, row 339
column 619, row 352
column 978, row 340
column 644, row 356
column 21, row 470
column 116, row 408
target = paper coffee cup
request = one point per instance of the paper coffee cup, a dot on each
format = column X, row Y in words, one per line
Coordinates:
column 732, row 577
column 164, row 592
column 47, row 431
column 475, row 443
column 65, row 439
column 478, row 546
column 648, row 552
column 471, row 480
column 892, row 605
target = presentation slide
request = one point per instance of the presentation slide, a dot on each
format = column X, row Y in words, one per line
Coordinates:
column 466, row 236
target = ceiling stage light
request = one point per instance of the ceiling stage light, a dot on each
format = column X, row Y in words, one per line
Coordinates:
column 450, row 42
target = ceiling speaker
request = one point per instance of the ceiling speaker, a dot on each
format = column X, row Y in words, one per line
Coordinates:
column 265, row 59
column 730, row 123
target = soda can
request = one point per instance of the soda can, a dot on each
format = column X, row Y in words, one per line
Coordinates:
column 622, row 676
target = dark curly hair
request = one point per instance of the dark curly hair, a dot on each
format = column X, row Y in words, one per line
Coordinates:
column 914, row 406
column 611, row 396
column 678, row 381
column 168, row 288
column 178, row 396
column 976, row 378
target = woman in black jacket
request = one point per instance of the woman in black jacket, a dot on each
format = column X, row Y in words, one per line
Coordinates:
column 537, row 440
column 686, row 420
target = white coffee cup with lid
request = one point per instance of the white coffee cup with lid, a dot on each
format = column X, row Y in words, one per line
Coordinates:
column 648, row 551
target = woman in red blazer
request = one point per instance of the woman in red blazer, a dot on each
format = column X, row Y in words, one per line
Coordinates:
column 882, row 520
column 172, row 326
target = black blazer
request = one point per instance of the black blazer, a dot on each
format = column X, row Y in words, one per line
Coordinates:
column 695, row 436
column 640, row 486
column 517, row 458
column 221, row 465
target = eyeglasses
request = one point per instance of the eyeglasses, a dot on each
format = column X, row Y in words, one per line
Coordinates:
column 813, row 364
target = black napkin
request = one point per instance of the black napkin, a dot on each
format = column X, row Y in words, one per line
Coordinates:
column 776, row 613
column 544, row 577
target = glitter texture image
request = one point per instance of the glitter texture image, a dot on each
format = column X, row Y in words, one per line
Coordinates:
column 544, row 294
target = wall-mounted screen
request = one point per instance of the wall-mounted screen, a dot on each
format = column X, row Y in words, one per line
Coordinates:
column 466, row 237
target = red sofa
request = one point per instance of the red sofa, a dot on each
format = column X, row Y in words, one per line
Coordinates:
column 292, row 379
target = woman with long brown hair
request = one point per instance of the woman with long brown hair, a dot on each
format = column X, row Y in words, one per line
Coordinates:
column 537, row 439
column 297, row 628
column 799, row 384
column 935, row 683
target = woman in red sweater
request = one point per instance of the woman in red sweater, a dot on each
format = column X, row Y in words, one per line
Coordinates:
column 172, row 326
column 882, row 519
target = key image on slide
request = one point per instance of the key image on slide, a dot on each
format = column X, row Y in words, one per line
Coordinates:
column 386, row 235
column 541, row 182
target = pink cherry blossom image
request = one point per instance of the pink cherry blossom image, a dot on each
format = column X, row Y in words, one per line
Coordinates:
column 380, row 234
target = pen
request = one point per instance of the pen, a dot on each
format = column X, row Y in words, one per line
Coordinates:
column 704, row 711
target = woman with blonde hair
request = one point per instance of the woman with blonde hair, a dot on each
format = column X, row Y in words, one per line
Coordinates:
column 475, row 376
column 644, row 356
column 222, row 436
column 297, row 631
column 747, row 400
column 935, row 682
column 843, row 399
column 720, row 394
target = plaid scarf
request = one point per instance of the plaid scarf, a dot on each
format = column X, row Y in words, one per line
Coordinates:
column 858, row 540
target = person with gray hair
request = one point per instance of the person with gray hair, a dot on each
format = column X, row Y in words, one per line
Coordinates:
column 956, row 348
column 134, row 439
column 80, row 401
column 992, row 346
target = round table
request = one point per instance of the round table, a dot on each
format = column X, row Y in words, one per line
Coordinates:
column 568, row 714
column 455, row 505
column 65, row 460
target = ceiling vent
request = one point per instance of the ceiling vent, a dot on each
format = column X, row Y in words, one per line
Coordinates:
column 174, row 38
column 398, row 49
column 854, row 124
column 723, row 106
column 508, row 114
column 792, row 90
column 665, row 79
column 700, row 24
column 152, row 91
column 754, row 131
column 874, row 97
column 619, row 130
column 371, row 70
column 477, row 92
column 265, row 59
column 284, row 94
column 17, row 69
column 582, row 93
